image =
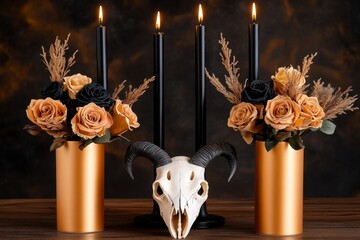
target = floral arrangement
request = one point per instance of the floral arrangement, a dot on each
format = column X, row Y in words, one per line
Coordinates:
column 283, row 109
column 76, row 108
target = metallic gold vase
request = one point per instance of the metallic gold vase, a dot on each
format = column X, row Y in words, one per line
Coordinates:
column 278, row 190
column 80, row 188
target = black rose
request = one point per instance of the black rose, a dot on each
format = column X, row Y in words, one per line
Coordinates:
column 53, row 90
column 258, row 91
column 93, row 92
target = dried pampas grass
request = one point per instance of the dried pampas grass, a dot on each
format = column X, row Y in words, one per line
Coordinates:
column 133, row 94
column 334, row 101
column 233, row 95
column 57, row 65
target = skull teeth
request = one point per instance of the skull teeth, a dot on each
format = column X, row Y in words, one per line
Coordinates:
column 179, row 225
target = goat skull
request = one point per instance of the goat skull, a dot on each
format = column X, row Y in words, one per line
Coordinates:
column 180, row 188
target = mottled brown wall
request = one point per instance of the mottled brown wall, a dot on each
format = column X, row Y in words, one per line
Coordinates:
column 289, row 31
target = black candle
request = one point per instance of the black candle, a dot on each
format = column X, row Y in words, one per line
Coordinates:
column 253, row 47
column 158, row 40
column 200, row 118
column 101, row 54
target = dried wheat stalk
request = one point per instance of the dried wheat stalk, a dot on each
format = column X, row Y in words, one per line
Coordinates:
column 334, row 102
column 292, row 88
column 232, row 80
column 231, row 97
column 132, row 95
column 307, row 61
column 57, row 66
column 118, row 90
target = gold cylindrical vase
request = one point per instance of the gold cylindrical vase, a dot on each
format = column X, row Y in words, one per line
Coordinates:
column 278, row 189
column 80, row 187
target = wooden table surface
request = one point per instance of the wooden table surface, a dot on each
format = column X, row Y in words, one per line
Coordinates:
column 328, row 218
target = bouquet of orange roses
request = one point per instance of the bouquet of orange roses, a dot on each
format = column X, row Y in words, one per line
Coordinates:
column 282, row 109
column 76, row 108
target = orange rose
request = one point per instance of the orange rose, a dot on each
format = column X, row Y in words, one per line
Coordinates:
column 243, row 118
column 75, row 83
column 283, row 76
column 311, row 114
column 49, row 115
column 281, row 113
column 91, row 121
column 124, row 119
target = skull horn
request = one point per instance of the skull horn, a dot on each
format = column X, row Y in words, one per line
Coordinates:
column 145, row 149
column 207, row 153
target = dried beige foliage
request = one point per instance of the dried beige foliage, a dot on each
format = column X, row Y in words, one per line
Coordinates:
column 118, row 90
column 133, row 94
column 295, row 86
column 307, row 61
column 233, row 95
column 57, row 65
column 334, row 101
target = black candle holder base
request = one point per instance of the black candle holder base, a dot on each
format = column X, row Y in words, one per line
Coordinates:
column 203, row 221
column 208, row 221
column 149, row 221
column 153, row 221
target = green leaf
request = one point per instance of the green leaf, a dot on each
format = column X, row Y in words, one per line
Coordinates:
column 119, row 137
column 274, row 131
column 85, row 144
column 282, row 135
column 33, row 129
column 259, row 137
column 271, row 132
column 304, row 132
column 103, row 139
column 328, row 127
column 296, row 142
column 58, row 142
column 270, row 144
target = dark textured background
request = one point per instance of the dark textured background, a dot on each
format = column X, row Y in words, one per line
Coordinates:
column 289, row 31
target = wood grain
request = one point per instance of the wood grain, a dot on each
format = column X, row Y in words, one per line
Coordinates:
column 328, row 218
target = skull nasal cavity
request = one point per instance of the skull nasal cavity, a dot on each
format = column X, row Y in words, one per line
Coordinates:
column 203, row 189
column 159, row 190
column 168, row 175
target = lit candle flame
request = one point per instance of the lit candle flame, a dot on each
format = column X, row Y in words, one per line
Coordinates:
column 157, row 24
column 200, row 14
column 101, row 15
column 253, row 12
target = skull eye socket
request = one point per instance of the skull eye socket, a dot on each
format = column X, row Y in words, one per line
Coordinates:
column 168, row 175
column 203, row 189
column 192, row 175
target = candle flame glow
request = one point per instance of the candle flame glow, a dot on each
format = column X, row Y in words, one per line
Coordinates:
column 253, row 12
column 201, row 17
column 100, row 15
column 157, row 24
